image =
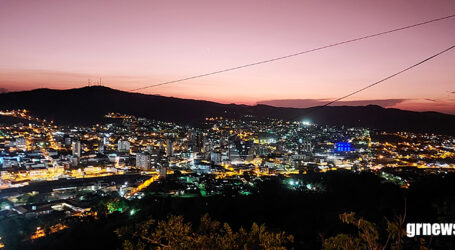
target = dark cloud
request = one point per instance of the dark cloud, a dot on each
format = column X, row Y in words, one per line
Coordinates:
column 431, row 100
column 305, row 103
column 3, row 90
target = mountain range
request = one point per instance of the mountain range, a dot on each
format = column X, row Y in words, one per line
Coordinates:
column 88, row 105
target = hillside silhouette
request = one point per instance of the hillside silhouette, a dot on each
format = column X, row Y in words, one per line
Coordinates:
column 88, row 105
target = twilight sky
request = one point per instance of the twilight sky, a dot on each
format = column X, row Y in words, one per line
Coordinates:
column 130, row 44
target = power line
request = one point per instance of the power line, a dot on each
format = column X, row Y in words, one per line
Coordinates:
column 295, row 54
column 382, row 80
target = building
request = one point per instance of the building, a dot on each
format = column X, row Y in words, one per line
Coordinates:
column 76, row 148
column 101, row 146
column 143, row 161
column 169, row 148
column 233, row 153
column 163, row 172
column 74, row 160
column 21, row 143
column 243, row 148
column 215, row 157
column 305, row 147
column 123, row 146
column 267, row 138
column 67, row 141
column 343, row 147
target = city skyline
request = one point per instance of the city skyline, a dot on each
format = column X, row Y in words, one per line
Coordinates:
column 241, row 124
column 63, row 44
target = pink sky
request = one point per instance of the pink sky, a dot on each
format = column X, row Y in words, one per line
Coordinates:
column 130, row 44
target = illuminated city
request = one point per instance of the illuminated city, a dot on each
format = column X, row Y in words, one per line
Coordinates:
column 227, row 125
column 129, row 157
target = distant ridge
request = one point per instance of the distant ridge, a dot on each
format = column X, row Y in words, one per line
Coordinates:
column 88, row 105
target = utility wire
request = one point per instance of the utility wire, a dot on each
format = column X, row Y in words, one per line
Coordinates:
column 295, row 54
column 382, row 80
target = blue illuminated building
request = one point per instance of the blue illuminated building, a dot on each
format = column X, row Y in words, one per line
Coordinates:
column 343, row 147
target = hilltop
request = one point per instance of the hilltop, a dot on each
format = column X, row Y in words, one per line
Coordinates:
column 88, row 105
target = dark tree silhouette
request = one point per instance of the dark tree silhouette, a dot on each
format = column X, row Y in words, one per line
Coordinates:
column 177, row 234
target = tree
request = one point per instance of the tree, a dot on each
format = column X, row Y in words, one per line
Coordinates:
column 177, row 234
column 368, row 235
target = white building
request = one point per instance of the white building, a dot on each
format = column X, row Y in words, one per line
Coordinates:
column 143, row 161
column 76, row 148
column 123, row 146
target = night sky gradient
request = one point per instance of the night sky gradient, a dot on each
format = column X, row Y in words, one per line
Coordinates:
column 129, row 44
